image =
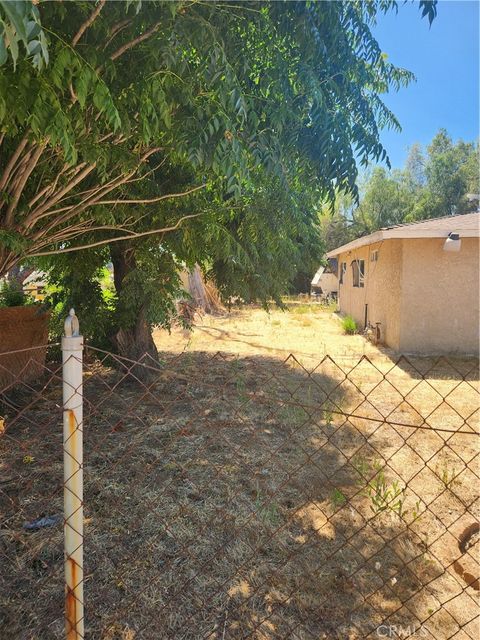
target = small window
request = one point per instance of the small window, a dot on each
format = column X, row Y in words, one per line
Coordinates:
column 343, row 270
column 374, row 256
column 358, row 271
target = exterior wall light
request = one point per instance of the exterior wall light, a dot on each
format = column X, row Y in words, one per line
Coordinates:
column 453, row 242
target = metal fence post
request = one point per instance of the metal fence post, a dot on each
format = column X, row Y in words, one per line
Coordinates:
column 72, row 352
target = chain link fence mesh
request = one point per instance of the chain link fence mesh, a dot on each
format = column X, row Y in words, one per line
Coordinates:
column 230, row 497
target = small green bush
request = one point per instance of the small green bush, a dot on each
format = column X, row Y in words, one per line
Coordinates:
column 349, row 325
column 12, row 294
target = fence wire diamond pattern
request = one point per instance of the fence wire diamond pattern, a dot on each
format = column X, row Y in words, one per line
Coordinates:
column 247, row 498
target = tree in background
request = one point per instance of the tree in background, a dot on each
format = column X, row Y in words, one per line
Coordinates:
column 451, row 171
column 444, row 181
column 336, row 221
column 385, row 200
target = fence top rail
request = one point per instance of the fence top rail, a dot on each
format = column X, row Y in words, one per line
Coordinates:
column 411, row 360
column 32, row 348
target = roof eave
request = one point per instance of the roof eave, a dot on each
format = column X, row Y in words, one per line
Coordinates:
column 399, row 234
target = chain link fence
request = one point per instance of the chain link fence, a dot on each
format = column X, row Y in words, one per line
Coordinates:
column 230, row 497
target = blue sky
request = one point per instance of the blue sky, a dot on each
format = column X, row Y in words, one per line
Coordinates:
column 445, row 60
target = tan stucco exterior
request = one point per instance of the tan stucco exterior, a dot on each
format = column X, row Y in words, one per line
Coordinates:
column 426, row 299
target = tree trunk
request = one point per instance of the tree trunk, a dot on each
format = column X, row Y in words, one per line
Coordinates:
column 134, row 342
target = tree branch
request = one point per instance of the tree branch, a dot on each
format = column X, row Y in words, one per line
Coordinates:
column 115, row 30
column 13, row 160
column 99, row 192
column 22, row 182
column 130, row 236
column 87, row 23
column 135, row 41
column 151, row 200
column 35, row 215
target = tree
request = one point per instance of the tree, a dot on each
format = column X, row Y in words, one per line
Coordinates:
column 386, row 200
column 414, row 171
column 336, row 223
column 287, row 85
column 452, row 172
column 242, row 96
column 445, row 181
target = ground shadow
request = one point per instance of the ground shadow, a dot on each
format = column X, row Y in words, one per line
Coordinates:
column 226, row 498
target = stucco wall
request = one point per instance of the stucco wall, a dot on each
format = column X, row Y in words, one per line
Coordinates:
column 381, row 291
column 440, row 297
column 426, row 299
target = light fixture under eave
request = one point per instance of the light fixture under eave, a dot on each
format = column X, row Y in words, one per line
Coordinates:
column 453, row 242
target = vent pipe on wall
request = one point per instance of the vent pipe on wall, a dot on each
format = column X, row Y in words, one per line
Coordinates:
column 453, row 242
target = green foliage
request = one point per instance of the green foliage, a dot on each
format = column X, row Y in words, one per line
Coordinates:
column 446, row 473
column 337, row 498
column 20, row 24
column 12, row 294
column 384, row 496
column 80, row 281
column 269, row 105
column 349, row 325
column 152, row 285
column 441, row 182
column 335, row 221
column 293, row 89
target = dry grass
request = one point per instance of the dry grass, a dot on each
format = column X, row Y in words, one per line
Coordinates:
column 307, row 330
column 236, row 499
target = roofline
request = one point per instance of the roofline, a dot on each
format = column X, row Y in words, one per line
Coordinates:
column 404, row 232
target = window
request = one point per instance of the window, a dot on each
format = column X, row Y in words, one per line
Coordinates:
column 343, row 270
column 358, row 271
column 374, row 256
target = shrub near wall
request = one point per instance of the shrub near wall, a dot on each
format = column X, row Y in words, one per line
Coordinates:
column 22, row 328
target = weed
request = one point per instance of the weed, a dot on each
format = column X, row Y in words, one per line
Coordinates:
column 301, row 309
column 337, row 498
column 330, row 306
column 384, row 496
column 328, row 414
column 446, row 475
column 294, row 416
column 28, row 459
column 362, row 467
column 349, row 325
column 266, row 510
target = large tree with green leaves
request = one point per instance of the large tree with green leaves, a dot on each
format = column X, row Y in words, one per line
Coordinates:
column 108, row 92
column 179, row 131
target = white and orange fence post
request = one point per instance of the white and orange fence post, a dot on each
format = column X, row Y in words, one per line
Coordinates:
column 72, row 356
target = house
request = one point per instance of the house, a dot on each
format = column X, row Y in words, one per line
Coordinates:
column 419, row 281
column 325, row 281
column 34, row 285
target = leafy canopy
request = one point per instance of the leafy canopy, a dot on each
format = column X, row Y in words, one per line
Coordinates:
column 95, row 97
column 441, row 181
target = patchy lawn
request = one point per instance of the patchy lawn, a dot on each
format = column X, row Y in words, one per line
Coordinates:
column 307, row 330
